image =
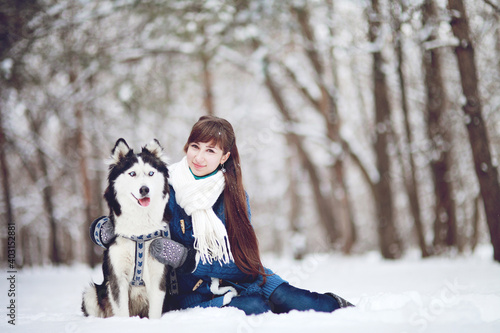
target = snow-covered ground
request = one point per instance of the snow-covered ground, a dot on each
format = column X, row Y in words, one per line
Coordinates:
column 461, row 294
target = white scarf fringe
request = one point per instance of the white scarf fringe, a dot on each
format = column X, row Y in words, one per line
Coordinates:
column 197, row 197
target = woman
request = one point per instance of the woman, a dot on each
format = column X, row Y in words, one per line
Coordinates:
column 213, row 245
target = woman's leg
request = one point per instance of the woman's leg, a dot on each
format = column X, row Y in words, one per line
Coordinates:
column 251, row 304
column 286, row 298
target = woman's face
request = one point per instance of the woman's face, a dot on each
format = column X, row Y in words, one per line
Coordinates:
column 204, row 157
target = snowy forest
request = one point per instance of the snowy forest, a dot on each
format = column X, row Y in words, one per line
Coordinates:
column 362, row 124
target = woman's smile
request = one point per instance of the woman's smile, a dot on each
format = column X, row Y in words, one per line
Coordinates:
column 198, row 166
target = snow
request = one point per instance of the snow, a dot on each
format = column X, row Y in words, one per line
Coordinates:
column 460, row 294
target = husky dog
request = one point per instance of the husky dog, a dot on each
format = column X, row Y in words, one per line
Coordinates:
column 137, row 194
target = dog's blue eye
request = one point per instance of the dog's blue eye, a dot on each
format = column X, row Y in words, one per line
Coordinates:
column 132, row 174
column 151, row 173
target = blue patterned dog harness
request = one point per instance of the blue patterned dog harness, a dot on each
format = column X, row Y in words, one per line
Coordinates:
column 140, row 255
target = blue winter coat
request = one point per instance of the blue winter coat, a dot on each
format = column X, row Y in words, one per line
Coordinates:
column 229, row 273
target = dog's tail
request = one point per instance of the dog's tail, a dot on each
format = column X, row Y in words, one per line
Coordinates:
column 95, row 301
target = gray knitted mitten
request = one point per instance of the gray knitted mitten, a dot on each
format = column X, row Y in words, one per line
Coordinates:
column 107, row 232
column 168, row 252
column 102, row 232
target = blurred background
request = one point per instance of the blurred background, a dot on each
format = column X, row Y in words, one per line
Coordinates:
column 362, row 125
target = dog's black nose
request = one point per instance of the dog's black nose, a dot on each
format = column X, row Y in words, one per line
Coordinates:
column 144, row 190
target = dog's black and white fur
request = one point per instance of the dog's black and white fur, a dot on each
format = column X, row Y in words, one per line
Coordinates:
column 137, row 196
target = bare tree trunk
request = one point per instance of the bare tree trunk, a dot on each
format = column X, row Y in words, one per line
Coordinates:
column 497, row 39
column 323, row 208
column 299, row 250
column 67, row 246
column 81, row 158
column 445, row 228
column 14, row 26
column 322, row 203
column 4, row 169
column 26, row 248
column 96, row 205
column 327, row 107
column 349, row 227
column 390, row 244
column 445, row 210
column 486, row 172
column 47, row 190
column 205, row 56
column 86, row 183
column 409, row 176
column 331, row 11
column 474, row 238
column 208, row 96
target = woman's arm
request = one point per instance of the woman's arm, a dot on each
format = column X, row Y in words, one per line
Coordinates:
column 220, row 270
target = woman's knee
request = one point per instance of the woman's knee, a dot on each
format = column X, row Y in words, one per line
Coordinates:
column 254, row 304
column 286, row 298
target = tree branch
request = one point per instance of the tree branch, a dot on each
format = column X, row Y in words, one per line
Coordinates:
column 495, row 7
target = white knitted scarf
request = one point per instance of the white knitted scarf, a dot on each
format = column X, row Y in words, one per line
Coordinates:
column 196, row 197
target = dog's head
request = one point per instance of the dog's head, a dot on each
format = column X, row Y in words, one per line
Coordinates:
column 136, row 179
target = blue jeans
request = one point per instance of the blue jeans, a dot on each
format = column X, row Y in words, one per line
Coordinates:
column 251, row 304
column 284, row 299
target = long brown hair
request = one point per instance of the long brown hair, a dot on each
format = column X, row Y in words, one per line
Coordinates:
column 242, row 238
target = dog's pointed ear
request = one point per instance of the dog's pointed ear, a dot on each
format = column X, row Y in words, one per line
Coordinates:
column 155, row 148
column 120, row 150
